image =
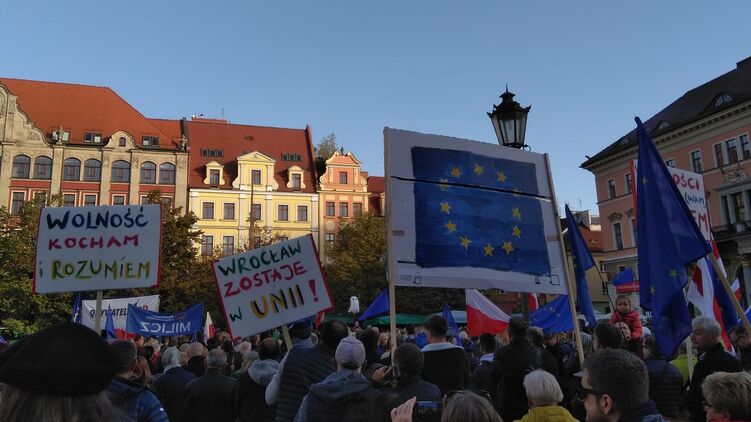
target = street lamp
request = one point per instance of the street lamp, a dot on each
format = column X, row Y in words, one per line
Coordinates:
column 510, row 121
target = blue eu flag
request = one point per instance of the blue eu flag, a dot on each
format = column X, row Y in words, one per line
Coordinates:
column 582, row 262
column 379, row 306
column 477, row 211
column 76, row 313
column 624, row 277
column 109, row 325
column 667, row 239
column 451, row 322
column 555, row 317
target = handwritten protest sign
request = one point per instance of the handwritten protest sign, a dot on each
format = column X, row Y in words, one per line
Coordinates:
column 267, row 287
column 98, row 248
column 149, row 323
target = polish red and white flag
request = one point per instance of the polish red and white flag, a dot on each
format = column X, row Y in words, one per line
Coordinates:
column 532, row 303
column 483, row 316
column 208, row 328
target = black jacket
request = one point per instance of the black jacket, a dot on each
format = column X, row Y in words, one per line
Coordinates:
column 512, row 363
column 482, row 377
column 665, row 386
column 406, row 388
column 250, row 392
column 303, row 368
column 196, row 365
column 714, row 360
column 447, row 368
column 209, row 398
column 170, row 389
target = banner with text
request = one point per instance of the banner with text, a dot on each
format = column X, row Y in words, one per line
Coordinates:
column 149, row 323
column 268, row 287
column 119, row 309
column 98, row 248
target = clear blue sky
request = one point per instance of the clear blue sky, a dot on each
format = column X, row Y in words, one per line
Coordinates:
column 353, row 67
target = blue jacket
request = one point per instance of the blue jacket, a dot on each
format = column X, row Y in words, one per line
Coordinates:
column 135, row 401
column 342, row 396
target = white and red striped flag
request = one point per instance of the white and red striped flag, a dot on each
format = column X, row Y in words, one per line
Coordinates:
column 532, row 302
column 483, row 316
column 208, row 328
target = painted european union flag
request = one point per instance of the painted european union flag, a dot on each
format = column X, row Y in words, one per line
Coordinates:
column 555, row 317
column 477, row 211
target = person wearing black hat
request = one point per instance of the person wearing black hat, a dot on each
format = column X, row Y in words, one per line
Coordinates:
column 134, row 400
column 60, row 374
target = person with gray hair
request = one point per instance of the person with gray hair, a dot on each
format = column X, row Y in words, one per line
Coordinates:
column 197, row 359
column 210, row 397
column 728, row 396
column 544, row 394
column 706, row 336
column 170, row 387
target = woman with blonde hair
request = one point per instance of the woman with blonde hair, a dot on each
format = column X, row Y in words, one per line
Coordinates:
column 727, row 396
column 543, row 395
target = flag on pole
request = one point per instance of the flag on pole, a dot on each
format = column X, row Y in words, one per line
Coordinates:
column 319, row 319
column 736, row 287
column 555, row 317
column 667, row 239
column 582, row 262
column 532, row 302
column 109, row 324
column 624, row 277
column 208, row 328
column 451, row 322
column 75, row 315
column 379, row 306
column 2, row 340
column 482, row 315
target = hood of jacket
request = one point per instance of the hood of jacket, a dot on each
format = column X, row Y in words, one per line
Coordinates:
column 262, row 371
column 340, row 386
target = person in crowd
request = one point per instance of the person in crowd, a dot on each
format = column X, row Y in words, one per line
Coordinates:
column 229, row 350
column 446, row 365
column 607, row 336
column 665, row 383
column 170, row 387
column 139, row 341
column 196, row 359
column 57, row 374
column 512, row 363
column 681, row 363
column 482, row 377
column 544, row 394
column 307, row 366
column 239, row 365
column 210, row 396
column 461, row 406
column 615, row 387
column 134, row 400
column 410, row 337
column 625, row 312
column 301, row 338
column 386, row 356
column 369, row 338
column 632, row 345
column 250, row 390
column 344, row 394
column 727, row 396
column 142, row 374
column 742, row 342
column 408, row 364
column 248, row 359
column 553, row 346
column 548, row 361
column 705, row 335
column 184, row 359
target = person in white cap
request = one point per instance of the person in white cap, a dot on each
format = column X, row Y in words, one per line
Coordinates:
column 343, row 395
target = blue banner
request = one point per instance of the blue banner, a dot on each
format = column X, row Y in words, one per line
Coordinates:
column 150, row 323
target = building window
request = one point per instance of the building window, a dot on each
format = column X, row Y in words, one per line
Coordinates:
column 342, row 177
column 207, row 211
column 167, row 201
column 229, row 210
column 167, row 174
column 670, row 163
column 21, row 166
column 296, row 181
column 617, row 236
column 122, row 141
column 745, row 147
column 256, row 212
column 150, row 141
column 72, row 169
column 92, row 138
column 207, row 245
column 343, row 209
column 719, row 158
column 356, row 209
column 148, row 172
column 732, row 150
column 17, row 201
column 228, row 245
column 330, row 209
column 255, row 177
column 121, row 172
column 210, row 152
column 214, row 177
column 739, row 206
column 89, row 200
column 144, row 200
column 611, row 188
column 282, row 213
column 69, row 200
column 40, row 199
column 329, row 238
column 92, row 170
column 118, row 199
column 628, row 182
column 302, row 213
column 43, row 168
column 696, row 166
column 633, row 231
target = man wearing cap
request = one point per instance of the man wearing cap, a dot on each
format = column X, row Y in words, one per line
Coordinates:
column 343, row 395
column 135, row 401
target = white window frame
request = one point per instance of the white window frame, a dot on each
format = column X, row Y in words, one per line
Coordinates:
column 125, row 199
column 96, row 198
column 22, row 202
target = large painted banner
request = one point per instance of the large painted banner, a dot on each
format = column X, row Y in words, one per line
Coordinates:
column 119, row 309
column 466, row 214
column 150, row 323
column 268, row 287
column 98, row 248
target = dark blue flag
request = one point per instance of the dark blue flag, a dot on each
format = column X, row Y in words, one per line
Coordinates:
column 624, row 277
column 150, row 323
column 473, row 210
column 582, row 262
column 667, row 239
column 453, row 328
column 555, row 317
column 379, row 306
column 109, row 325
column 75, row 315
column 2, row 340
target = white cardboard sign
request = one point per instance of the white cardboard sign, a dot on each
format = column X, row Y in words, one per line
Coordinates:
column 119, row 309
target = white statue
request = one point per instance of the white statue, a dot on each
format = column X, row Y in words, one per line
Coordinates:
column 354, row 305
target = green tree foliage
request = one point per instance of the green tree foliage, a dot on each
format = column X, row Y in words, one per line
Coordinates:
column 325, row 148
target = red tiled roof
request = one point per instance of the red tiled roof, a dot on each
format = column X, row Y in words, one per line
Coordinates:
column 593, row 238
column 81, row 108
column 170, row 128
column 235, row 140
column 376, row 184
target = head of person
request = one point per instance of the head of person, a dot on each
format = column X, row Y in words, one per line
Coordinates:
column 57, row 374
column 649, row 347
column 437, row 327
column 468, row 406
column 410, row 329
column 624, row 329
column 518, row 329
column 536, row 336
column 171, row 357
column 384, row 340
column 607, row 336
column 332, row 332
column 248, row 358
column 410, row 359
column 542, row 389
column 615, row 382
column 623, row 304
column 705, row 332
column 124, row 354
column 213, row 343
column 196, row 349
column 350, row 354
column 369, row 339
column 551, row 339
column 740, row 338
column 300, row 331
column 244, row 347
column 141, row 374
column 727, row 396
column 488, row 343
column 139, row 340
column 216, row 358
column 269, row 349
column 184, row 358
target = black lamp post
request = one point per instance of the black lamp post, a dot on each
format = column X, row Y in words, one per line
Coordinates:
column 510, row 121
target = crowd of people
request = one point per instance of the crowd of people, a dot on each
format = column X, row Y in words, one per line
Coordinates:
column 69, row 373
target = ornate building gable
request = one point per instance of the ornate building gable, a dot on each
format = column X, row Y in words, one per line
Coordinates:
column 15, row 125
column 348, row 163
column 259, row 162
